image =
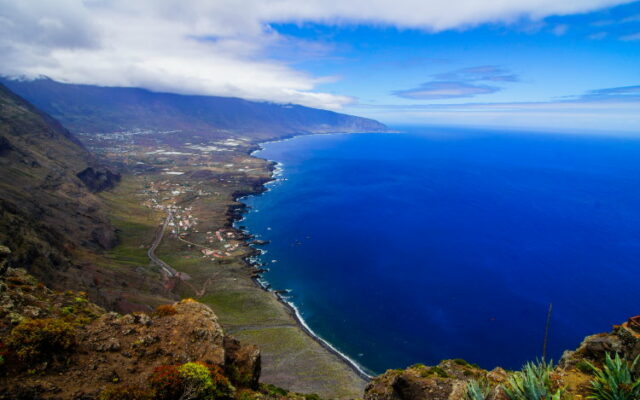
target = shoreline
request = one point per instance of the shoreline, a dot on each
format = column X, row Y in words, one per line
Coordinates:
column 275, row 169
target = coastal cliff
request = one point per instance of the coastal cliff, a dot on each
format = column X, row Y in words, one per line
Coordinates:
column 577, row 375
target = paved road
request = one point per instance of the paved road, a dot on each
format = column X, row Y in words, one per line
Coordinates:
column 152, row 250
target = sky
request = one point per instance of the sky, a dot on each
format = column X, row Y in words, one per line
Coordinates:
column 571, row 65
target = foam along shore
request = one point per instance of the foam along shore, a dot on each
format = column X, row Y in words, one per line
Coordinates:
column 254, row 261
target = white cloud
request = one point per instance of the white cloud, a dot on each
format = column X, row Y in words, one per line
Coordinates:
column 598, row 36
column 560, row 29
column 217, row 47
column 631, row 38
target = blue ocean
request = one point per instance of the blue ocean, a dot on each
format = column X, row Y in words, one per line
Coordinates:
column 445, row 243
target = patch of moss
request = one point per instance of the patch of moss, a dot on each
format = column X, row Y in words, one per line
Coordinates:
column 272, row 390
column 434, row 371
column 465, row 363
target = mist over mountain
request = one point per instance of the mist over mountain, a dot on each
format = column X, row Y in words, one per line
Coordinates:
column 87, row 108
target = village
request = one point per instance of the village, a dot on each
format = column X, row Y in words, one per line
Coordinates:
column 165, row 196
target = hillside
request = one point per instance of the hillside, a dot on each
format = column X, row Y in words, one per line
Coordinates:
column 95, row 109
column 46, row 209
column 51, row 217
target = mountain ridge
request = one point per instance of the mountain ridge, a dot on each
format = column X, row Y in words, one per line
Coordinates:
column 101, row 109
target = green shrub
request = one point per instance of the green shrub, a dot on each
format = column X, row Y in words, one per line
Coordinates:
column 439, row 371
column 476, row 391
column 192, row 380
column 68, row 310
column 223, row 389
column 196, row 376
column 35, row 340
column 126, row 393
column 532, row 383
column 246, row 394
column 465, row 363
column 272, row 390
column 584, row 366
column 615, row 380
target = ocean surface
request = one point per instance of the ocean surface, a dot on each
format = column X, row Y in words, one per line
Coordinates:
column 444, row 243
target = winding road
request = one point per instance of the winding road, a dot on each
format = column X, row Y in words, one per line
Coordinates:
column 152, row 250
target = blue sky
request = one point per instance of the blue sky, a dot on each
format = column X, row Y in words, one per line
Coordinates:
column 591, row 58
column 527, row 64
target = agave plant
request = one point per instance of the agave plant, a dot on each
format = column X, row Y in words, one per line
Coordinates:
column 476, row 391
column 532, row 383
column 615, row 380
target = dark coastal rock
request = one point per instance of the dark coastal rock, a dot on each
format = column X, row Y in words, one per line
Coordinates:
column 260, row 242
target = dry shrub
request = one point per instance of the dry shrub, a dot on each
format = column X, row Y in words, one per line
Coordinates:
column 165, row 310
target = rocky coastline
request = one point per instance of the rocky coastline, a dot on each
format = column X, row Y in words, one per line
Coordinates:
column 237, row 213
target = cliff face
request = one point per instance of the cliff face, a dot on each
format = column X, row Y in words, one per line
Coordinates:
column 573, row 377
column 46, row 210
column 86, row 108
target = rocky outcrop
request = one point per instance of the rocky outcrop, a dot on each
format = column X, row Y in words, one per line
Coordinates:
column 624, row 340
column 98, row 179
column 446, row 381
column 242, row 363
column 449, row 379
column 103, row 350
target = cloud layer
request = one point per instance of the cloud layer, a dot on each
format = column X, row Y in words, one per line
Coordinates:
column 445, row 90
column 217, row 47
column 466, row 82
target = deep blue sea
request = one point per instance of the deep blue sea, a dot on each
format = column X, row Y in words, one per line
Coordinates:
column 445, row 243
